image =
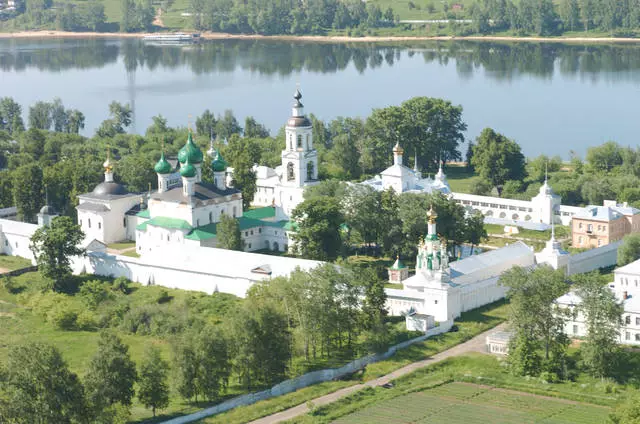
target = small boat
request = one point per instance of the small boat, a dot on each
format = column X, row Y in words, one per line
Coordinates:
column 173, row 38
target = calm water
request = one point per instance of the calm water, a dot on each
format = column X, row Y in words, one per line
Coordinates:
column 551, row 98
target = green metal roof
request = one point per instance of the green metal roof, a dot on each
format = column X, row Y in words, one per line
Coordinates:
column 164, row 222
column 261, row 213
column 203, row 233
column 290, row 226
column 398, row 264
column 210, row 230
column 144, row 214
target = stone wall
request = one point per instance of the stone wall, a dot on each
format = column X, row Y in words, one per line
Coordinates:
column 306, row 380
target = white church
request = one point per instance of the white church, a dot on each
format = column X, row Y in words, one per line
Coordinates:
column 439, row 291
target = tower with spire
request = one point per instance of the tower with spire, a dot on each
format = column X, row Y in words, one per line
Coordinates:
column 299, row 158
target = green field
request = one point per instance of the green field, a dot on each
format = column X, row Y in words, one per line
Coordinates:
column 467, row 403
column 13, row 262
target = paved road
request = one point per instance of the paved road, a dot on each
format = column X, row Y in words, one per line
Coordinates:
column 477, row 344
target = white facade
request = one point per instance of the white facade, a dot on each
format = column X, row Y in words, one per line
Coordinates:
column 445, row 290
column 626, row 289
column 283, row 187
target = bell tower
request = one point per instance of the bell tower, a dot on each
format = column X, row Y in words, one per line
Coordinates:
column 299, row 158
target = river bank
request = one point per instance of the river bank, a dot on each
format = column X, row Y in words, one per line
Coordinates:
column 318, row 38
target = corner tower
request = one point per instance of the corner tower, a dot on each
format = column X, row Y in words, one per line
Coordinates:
column 299, row 158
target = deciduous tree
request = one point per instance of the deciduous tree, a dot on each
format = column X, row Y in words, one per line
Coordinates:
column 153, row 390
column 228, row 234
column 318, row 233
column 630, row 249
column 497, row 158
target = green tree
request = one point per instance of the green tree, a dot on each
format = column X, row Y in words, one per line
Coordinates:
column 318, row 233
column 10, row 115
column 536, row 319
column 53, row 246
column 40, row 116
column 474, row 231
column 253, row 129
column 630, row 249
column 244, row 178
column 628, row 411
column 602, row 316
column 227, row 125
column 27, row 190
column 127, row 8
column 206, row 124
column 58, row 115
column 153, row 390
column 95, row 17
column 497, row 158
column 214, row 355
column 74, row 121
column 111, row 373
column 39, row 387
column 604, row 157
column 120, row 118
column 187, row 367
column 228, row 234
column 570, row 14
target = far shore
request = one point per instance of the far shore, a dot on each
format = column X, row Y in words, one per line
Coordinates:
column 316, row 38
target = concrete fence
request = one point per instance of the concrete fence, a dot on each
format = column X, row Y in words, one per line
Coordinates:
column 308, row 379
column 593, row 259
column 20, row 271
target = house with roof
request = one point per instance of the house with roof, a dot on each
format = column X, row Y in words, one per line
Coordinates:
column 626, row 290
column 597, row 226
column 442, row 290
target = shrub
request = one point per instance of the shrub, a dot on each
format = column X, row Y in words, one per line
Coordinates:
column 94, row 293
column 120, row 285
column 10, row 285
column 86, row 321
column 549, row 377
column 63, row 318
column 163, row 297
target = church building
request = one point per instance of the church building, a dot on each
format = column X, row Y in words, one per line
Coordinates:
column 183, row 211
column 440, row 291
column 402, row 179
column 283, row 187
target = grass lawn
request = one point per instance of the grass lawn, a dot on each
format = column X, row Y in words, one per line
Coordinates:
column 131, row 254
column 471, row 389
column 13, row 262
column 460, row 178
column 122, row 245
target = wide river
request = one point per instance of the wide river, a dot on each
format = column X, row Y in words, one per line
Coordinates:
column 551, row 98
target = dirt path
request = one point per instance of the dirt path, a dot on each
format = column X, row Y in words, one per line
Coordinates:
column 3, row 270
column 477, row 344
column 157, row 20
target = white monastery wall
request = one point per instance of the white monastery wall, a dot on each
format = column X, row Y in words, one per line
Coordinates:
column 593, row 259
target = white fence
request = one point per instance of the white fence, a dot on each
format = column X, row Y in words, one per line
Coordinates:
column 308, row 379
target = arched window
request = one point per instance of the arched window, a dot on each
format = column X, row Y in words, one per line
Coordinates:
column 290, row 142
column 308, row 142
column 124, row 222
column 89, row 220
column 210, row 217
column 235, row 210
column 310, row 171
column 290, row 172
column 299, row 141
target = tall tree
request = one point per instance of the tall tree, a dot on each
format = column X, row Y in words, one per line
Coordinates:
column 570, row 14
column 206, row 124
column 603, row 317
column 95, row 16
column 186, row 366
column 40, row 116
column 27, row 190
column 253, row 129
column 153, row 390
column 40, row 388
column 497, row 159
column 111, row 373
column 630, row 249
column 536, row 319
column 474, row 231
column 244, row 177
column 228, row 234
column 318, row 233
column 10, row 115
column 214, row 355
column 53, row 246
column 75, row 121
column 227, row 125
column 127, row 8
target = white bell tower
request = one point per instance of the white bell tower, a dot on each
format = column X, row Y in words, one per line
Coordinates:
column 299, row 158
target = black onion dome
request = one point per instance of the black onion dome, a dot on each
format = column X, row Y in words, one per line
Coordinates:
column 111, row 188
column 299, row 121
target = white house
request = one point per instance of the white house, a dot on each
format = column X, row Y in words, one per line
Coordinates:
column 626, row 289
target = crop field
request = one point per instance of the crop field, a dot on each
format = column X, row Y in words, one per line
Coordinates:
column 466, row 403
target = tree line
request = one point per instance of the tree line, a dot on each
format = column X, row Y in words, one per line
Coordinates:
column 270, row 17
column 546, row 17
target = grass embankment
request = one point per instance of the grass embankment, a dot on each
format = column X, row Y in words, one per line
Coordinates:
column 11, row 263
column 122, row 245
column 469, row 325
column 442, row 392
column 27, row 315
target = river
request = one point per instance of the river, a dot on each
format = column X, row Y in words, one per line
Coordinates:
column 551, row 98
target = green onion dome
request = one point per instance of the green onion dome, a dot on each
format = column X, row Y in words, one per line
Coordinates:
column 188, row 170
column 219, row 164
column 162, row 167
column 190, row 151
